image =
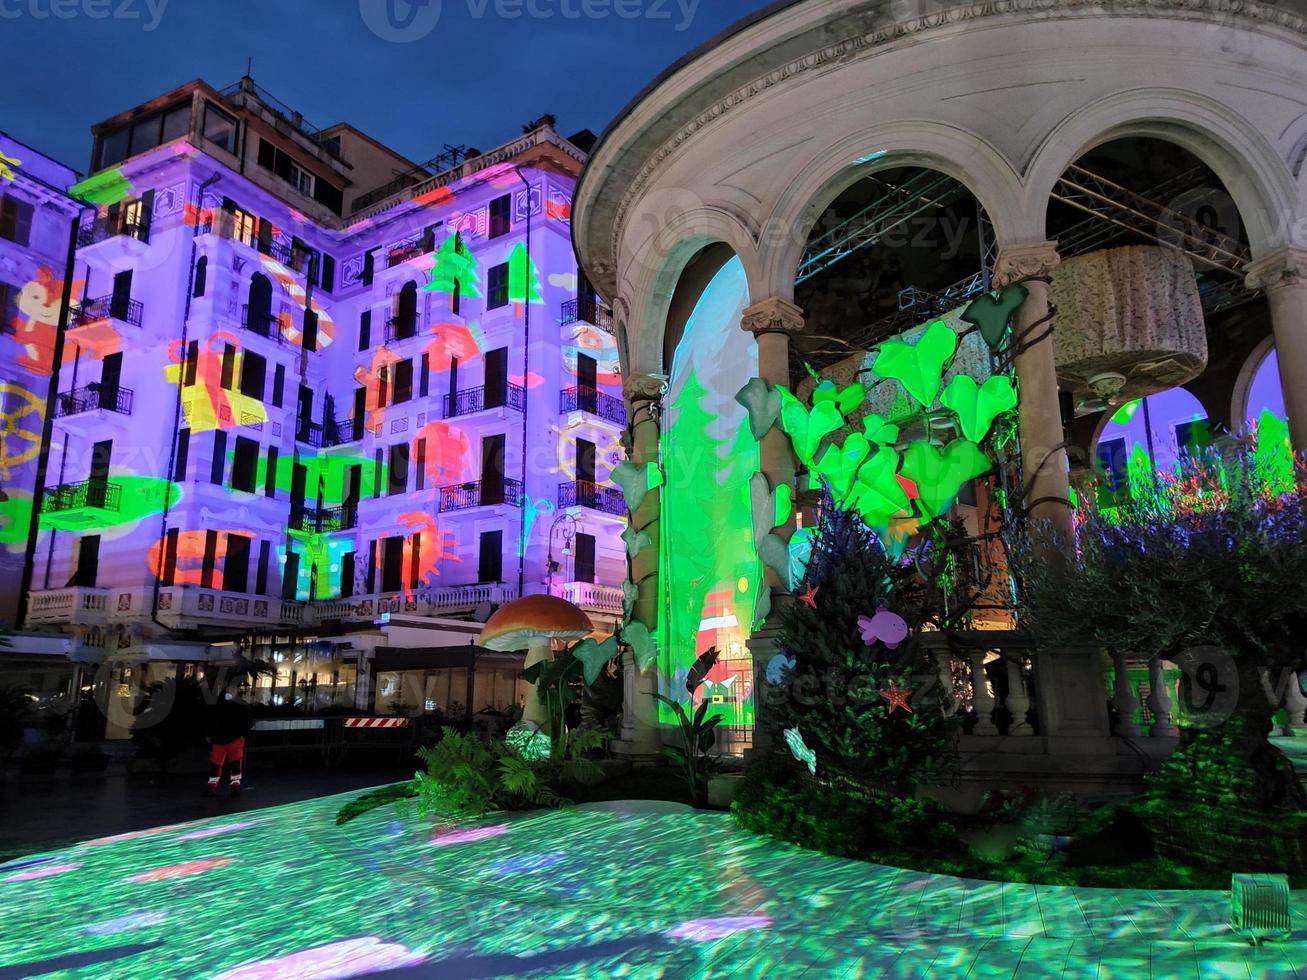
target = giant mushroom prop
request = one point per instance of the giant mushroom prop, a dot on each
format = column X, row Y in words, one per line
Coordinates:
column 532, row 624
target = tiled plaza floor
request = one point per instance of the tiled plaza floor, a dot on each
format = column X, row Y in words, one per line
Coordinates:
column 637, row 890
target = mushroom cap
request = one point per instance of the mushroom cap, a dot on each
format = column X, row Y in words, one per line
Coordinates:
column 534, row 617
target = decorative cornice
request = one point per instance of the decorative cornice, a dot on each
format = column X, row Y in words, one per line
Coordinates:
column 772, row 315
column 1022, row 261
column 643, row 387
column 1247, row 12
column 1287, row 267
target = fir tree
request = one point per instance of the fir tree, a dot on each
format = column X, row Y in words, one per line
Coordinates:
column 523, row 279
column 455, row 270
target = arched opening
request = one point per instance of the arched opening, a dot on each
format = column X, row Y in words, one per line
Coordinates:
column 258, row 311
column 1265, row 393
column 1150, row 435
column 405, row 322
column 710, row 574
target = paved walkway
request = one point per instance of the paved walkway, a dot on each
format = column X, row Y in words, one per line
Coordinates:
column 639, row 890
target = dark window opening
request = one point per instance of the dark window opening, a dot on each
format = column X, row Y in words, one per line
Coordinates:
column 501, row 223
column 236, row 564
column 245, row 464
column 584, row 570
column 497, row 286
column 490, row 559
column 392, row 564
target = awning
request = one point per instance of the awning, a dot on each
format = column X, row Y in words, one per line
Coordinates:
column 437, row 658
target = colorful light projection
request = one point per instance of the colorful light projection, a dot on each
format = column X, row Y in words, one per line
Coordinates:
column 292, row 326
column 7, row 165
column 1265, row 393
column 191, row 545
column 22, row 413
column 36, row 321
column 523, row 280
column 1150, row 435
column 208, row 404
column 139, row 497
column 584, row 338
column 709, row 457
column 454, row 271
column 105, row 188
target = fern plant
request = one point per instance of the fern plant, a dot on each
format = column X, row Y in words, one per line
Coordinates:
column 694, row 755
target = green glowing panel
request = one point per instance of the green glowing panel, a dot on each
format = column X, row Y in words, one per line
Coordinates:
column 711, row 572
column 919, row 367
column 107, row 187
column 977, row 406
column 126, row 500
column 1126, row 412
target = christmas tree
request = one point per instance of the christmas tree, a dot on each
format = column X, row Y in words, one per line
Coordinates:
column 523, row 279
column 455, row 270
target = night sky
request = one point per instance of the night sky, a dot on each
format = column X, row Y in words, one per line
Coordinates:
column 474, row 74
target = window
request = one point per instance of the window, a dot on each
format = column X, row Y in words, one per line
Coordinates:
column 327, row 273
column 309, row 339
column 392, row 564
column 415, row 561
column 330, row 197
column 1112, row 459
column 192, row 362
column 181, row 457
column 347, row 575
column 290, row 577
column 370, row 581
column 1193, row 436
column 88, row 561
column 360, row 411
column 168, row 574
column 497, row 286
column 490, row 560
column 236, row 564
column 15, row 219
column 228, row 366
column 245, row 464
column 398, row 477
column 420, row 468
column 219, row 128
column 278, row 385
column 366, row 277
column 584, row 568
column 406, row 311
column 383, row 387
column 261, row 570
column 585, row 461
column 144, row 134
column 254, row 369
column 496, row 390
column 272, row 157
column 210, row 559
column 270, row 474
column 376, row 473
column 365, row 330
column 403, row 381
column 492, row 470
column 500, row 221
column 201, row 276
column 219, row 461
column 120, row 300
column 424, row 376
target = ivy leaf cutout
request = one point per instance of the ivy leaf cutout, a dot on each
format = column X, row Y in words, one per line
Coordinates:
column 771, row 508
column 635, row 540
column 877, row 495
column 594, row 656
column 775, row 554
column 805, row 428
column 878, row 430
column 918, row 367
column 846, row 400
column 630, row 592
column 940, row 475
column 653, row 476
column 644, row 646
column 976, row 406
column 762, row 609
column 763, row 405
column 838, row 465
column 993, row 314
column 634, row 483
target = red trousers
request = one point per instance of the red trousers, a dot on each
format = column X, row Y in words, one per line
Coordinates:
column 233, row 752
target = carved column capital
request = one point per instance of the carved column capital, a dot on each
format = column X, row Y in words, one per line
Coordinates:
column 1286, row 267
column 772, row 315
column 1023, row 260
column 643, row 387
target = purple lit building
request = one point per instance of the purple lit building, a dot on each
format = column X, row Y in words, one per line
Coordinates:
column 324, row 407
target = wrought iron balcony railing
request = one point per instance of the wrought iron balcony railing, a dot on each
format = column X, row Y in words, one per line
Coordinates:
column 465, row 496
column 340, row 433
column 594, row 402
column 472, row 400
column 588, row 310
column 326, row 520
column 583, row 493
column 262, row 324
column 401, row 328
column 309, row 433
column 100, row 494
column 104, row 228
column 91, row 397
column 106, row 307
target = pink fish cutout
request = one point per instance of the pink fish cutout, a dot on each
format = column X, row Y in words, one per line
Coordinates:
column 886, row 627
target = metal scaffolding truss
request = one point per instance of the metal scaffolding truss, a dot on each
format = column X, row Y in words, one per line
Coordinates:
column 1111, row 211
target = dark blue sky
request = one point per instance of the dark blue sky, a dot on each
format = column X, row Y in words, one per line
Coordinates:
column 474, row 74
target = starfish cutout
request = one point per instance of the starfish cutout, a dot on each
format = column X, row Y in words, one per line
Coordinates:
column 897, row 698
column 809, row 596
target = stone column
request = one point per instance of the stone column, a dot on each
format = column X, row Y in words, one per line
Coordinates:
column 639, row 738
column 1283, row 275
column 772, row 322
column 1043, row 461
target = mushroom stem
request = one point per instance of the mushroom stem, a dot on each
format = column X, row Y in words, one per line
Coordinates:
column 534, row 710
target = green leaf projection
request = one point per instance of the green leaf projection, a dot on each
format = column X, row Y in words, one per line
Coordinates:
column 455, row 270
column 711, row 572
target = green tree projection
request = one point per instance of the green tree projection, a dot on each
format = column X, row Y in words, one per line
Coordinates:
column 523, row 279
column 455, row 269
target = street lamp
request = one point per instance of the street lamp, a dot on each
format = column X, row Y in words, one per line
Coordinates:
column 568, row 523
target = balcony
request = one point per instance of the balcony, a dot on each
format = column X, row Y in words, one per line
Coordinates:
column 470, row 401
column 592, row 401
column 91, row 398
column 262, row 324
column 184, row 606
column 309, row 433
column 588, row 310
column 73, row 606
column 223, row 224
column 90, row 311
column 402, row 253
column 87, row 495
column 465, row 496
column 583, row 493
column 103, row 229
column 325, row 520
column 401, row 328
column 594, row 598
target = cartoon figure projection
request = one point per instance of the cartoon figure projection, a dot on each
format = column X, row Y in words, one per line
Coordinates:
column 210, row 405
column 590, row 341
column 37, row 321
column 447, row 454
column 452, row 341
column 383, row 359
column 433, row 546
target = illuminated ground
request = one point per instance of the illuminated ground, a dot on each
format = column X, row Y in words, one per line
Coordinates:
column 282, row 892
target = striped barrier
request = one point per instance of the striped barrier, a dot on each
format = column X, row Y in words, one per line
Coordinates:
column 376, row 722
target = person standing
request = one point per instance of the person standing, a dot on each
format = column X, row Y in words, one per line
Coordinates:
column 229, row 722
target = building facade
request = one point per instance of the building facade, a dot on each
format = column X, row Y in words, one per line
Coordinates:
column 298, row 412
